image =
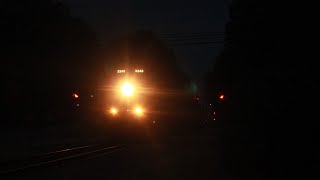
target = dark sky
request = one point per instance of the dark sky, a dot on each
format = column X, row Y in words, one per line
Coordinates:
column 114, row 18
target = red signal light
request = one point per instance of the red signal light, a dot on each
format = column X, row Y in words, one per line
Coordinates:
column 221, row 97
column 75, row 95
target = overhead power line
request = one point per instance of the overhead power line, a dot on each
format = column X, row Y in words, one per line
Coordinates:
column 193, row 38
column 207, row 38
column 199, row 43
column 191, row 33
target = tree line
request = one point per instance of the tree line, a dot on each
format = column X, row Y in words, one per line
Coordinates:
column 266, row 119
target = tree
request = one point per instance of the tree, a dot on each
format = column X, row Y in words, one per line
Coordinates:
column 264, row 86
column 46, row 51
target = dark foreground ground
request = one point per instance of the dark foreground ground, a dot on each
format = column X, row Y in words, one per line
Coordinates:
column 177, row 158
column 150, row 154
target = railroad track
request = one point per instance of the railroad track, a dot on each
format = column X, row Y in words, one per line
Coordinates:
column 56, row 157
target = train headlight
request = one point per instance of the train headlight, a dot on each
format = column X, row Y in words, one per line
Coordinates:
column 138, row 111
column 127, row 89
column 114, row 111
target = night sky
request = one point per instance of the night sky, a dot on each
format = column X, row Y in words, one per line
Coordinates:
column 114, row 18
